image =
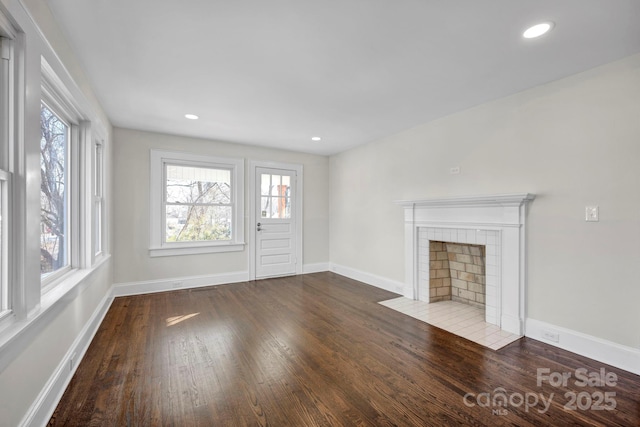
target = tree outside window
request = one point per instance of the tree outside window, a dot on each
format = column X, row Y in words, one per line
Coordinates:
column 198, row 204
column 53, row 191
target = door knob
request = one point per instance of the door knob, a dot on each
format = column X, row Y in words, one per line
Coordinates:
column 259, row 228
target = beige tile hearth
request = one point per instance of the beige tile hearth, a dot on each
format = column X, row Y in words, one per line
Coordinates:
column 458, row 318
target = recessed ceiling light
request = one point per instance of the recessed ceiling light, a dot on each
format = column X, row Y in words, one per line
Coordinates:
column 316, row 138
column 191, row 116
column 537, row 30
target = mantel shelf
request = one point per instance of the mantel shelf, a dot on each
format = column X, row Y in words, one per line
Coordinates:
column 514, row 199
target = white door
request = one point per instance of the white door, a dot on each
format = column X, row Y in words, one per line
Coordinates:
column 275, row 226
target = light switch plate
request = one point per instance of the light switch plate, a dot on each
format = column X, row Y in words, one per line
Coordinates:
column 591, row 214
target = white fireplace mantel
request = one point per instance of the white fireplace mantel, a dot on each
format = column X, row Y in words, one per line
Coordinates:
column 516, row 199
column 498, row 220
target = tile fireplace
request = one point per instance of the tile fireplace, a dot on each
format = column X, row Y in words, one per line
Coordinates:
column 495, row 223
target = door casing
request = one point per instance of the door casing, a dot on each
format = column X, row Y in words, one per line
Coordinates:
column 253, row 219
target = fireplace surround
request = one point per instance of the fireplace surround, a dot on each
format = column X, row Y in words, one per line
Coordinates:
column 495, row 221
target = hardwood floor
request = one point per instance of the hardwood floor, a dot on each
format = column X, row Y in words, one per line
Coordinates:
column 317, row 350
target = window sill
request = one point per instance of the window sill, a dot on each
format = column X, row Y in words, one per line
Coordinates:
column 194, row 250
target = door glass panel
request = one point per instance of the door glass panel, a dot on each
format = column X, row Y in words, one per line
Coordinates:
column 274, row 208
column 275, row 201
column 281, row 208
column 265, row 184
column 264, row 207
column 275, row 184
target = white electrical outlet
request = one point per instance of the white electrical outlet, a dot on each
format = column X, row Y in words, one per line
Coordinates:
column 72, row 361
column 551, row 335
column 454, row 170
column 591, row 214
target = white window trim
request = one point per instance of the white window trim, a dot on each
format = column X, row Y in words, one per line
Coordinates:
column 157, row 246
column 5, row 288
column 14, row 306
column 73, row 176
column 60, row 100
column 6, row 163
column 97, row 198
column 11, row 62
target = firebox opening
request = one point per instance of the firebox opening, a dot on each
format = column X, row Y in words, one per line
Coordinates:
column 457, row 272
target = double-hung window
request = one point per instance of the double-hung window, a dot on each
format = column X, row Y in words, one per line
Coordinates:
column 55, row 183
column 66, row 182
column 196, row 203
column 5, row 180
column 6, row 156
column 98, row 199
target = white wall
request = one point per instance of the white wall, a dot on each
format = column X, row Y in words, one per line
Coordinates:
column 131, row 244
column 29, row 361
column 573, row 142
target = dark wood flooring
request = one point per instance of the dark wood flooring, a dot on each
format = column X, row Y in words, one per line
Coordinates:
column 317, row 350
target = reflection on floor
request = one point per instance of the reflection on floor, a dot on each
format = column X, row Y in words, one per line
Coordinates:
column 461, row 319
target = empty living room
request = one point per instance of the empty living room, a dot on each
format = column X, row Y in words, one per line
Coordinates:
column 306, row 213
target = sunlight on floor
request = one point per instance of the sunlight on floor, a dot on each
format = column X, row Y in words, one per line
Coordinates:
column 177, row 319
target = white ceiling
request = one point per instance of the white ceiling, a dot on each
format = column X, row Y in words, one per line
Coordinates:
column 278, row 72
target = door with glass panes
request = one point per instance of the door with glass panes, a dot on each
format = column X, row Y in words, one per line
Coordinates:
column 275, row 226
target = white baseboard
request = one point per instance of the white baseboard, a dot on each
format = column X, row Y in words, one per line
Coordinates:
column 162, row 285
column 368, row 278
column 42, row 408
column 620, row 356
column 315, row 268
